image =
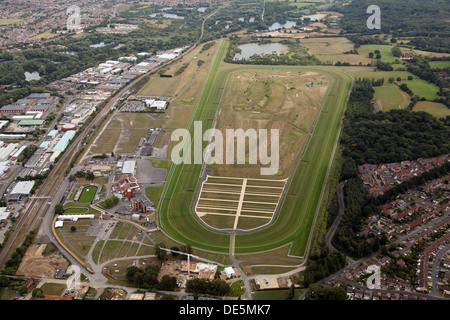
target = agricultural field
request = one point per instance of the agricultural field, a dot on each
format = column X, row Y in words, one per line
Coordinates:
column 294, row 220
column 422, row 88
column 439, row 64
column 438, row 110
column 390, row 97
column 331, row 50
column 371, row 73
column 419, row 87
column 385, row 51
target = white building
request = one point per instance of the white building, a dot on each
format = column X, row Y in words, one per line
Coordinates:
column 158, row 105
column 229, row 272
column 128, row 167
column 4, row 213
column 23, row 187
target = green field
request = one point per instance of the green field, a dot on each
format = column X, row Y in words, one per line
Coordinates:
column 385, row 51
column 422, row 88
column 294, row 222
column 88, row 194
column 5, row 21
column 438, row 110
column 390, row 97
column 439, row 64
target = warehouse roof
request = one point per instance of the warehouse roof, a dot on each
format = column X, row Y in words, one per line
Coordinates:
column 64, row 141
column 39, row 95
column 23, row 187
column 11, row 107
column 31, row 122
column 128, row 166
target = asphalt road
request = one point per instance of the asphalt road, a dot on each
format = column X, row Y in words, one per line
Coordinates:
column 435, row 272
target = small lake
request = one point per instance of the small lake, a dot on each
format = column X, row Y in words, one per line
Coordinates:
column 32, row 76
column 166, row 15
column 314, row 17
column 250, row 49
column 288, row 24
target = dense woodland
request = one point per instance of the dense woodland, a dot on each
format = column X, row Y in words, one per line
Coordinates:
column 392, row 136
column 424, row 19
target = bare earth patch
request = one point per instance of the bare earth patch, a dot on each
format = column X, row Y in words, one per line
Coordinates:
column 35, row 264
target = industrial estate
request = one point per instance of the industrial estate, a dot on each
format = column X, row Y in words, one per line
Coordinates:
column 357, row 208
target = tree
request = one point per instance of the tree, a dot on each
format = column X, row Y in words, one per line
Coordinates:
column 37, row 293
column 396, row 52
column 59, row 208
column 73, row 228
column 291, row 293
column 167, row 283
column 161, row 254
column 23, row 289
column 90, row 176
column 4, row 281
column 173, row 251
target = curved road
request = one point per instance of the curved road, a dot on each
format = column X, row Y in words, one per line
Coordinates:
column 435, row 272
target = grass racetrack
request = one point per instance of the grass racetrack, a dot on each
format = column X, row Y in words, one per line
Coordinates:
column 294, row 221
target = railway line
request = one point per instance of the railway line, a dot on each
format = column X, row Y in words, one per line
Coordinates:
column 31, row 218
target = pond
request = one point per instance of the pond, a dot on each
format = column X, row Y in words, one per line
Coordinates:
column 288, row 24
column 32, row 76
column 166, row 15
column 250, row 49
column 314, row 17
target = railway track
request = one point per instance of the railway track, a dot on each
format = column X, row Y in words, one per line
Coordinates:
column 36, row 209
